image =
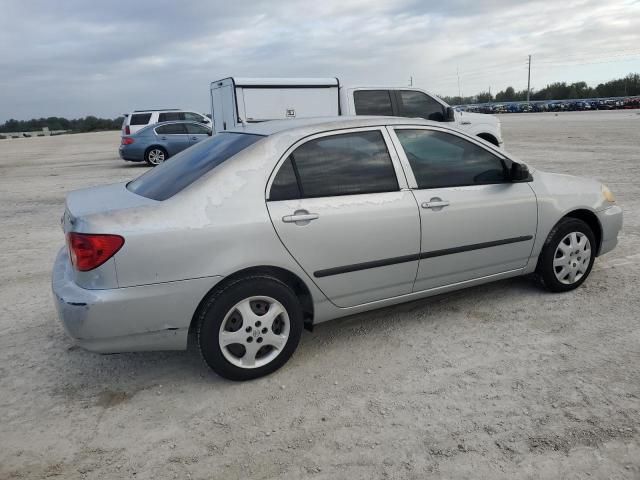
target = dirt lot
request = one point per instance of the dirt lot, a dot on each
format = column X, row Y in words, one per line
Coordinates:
column 499, row 381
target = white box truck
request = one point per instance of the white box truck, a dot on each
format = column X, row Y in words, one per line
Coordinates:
column 235, row 101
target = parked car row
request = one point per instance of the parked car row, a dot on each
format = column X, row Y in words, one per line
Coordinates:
column 553, row 106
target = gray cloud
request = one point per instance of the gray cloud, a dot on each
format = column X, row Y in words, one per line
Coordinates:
column 105, row 58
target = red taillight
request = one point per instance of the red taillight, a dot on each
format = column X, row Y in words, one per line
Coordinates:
column 127, row 140
column 127, row 130
column 89, row 251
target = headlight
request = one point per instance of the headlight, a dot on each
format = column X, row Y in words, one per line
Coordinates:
column 606, row 193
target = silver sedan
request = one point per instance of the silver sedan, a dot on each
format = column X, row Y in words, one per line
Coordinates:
column 252, row 235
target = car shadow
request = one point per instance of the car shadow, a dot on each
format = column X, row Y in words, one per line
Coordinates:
column 456, row 300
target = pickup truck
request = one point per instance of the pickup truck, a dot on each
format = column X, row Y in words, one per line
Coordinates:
column 236, row 101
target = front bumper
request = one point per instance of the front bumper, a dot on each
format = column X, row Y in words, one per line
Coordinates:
column 146, row 317
column 611, row 222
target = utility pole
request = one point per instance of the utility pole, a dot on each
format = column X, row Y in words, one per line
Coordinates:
column 529, row 81
column 411, row 81
column 459, row 91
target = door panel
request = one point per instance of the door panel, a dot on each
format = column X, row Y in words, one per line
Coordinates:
column 475, row 222
column 484, row 230
column 356, row 248
column 176, row 143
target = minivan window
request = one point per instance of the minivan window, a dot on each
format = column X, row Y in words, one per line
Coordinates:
column 195, row 117
column 441, row 159
column 140, row 119
column 344, row 164
column 170, row 116
column 372, row 102
column 171, row 129
column 414, row 104
column 180, row 171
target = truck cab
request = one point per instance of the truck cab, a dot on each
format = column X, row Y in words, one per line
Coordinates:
column 416, row 103
column 236, row 101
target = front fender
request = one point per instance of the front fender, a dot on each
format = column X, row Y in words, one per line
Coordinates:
column 558, row 195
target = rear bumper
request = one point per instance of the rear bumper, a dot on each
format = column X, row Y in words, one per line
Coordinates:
column 148, row 317
column 611, row 221
column 131, row 154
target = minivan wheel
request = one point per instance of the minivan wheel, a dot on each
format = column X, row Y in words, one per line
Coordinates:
column 250, row 328
column 567, row 256
column 155, row 156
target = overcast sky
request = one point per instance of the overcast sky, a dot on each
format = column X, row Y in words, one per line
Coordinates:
column 76, row 57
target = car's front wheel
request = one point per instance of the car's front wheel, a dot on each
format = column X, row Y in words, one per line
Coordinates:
column 567, row 256
column 250, row 328
column 155, row 156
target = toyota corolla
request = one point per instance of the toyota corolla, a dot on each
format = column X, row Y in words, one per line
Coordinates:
column 248, row 237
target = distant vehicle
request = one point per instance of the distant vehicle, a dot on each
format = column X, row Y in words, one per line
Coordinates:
column 253, row 234
column 237, row 101
column 606, row 104
column 156, row 143
column 582, row 105
column 139, row 119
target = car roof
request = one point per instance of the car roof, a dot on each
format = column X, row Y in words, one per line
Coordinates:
column 161, row 110
column 272, row 127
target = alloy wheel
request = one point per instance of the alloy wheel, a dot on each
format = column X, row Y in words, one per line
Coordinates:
column 254, row 332
column 156, row 156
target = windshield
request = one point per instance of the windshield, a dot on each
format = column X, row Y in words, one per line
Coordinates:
column 177, row 173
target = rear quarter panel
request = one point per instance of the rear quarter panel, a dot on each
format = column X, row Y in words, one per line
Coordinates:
column 217, row 226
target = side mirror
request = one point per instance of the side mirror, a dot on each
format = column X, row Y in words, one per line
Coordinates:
column 449, row 115
column 519, row 172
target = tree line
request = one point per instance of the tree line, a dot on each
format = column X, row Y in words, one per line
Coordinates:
column 621, row 87
column 79, row 125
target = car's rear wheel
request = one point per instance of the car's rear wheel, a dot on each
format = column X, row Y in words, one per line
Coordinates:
column 155, row 156
column 250, row 328
column 567, row 256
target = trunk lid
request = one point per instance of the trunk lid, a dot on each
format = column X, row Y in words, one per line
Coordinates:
column 83, row 206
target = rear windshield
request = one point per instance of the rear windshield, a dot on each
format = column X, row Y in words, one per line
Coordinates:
column 178, row 172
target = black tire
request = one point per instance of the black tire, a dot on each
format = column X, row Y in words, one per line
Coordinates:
column 148, row 156
column 219, row 304
column 545, row 269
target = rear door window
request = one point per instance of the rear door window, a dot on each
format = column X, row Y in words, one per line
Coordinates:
column 140, row 119
column 181, row 170
column 171, row 129
column 344, row 164
column 195, row 129
column 414, row 104
column 372, row 102
column 285, row 184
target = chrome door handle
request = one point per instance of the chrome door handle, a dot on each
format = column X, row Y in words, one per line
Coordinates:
column 194, row 138
column 435, row 204
column 300, row 217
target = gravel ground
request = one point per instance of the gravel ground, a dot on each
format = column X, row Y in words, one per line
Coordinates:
column 499, row 381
